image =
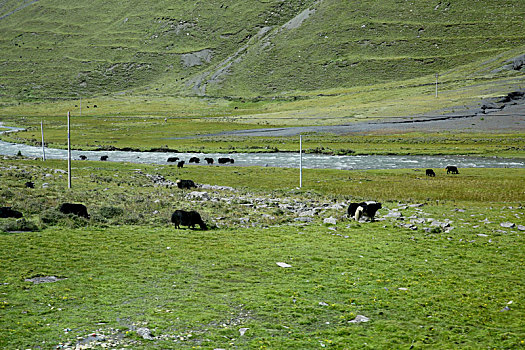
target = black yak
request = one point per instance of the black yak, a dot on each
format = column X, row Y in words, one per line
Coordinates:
column 452, row 169
column 8, row 212
column 430, row 172
column 74, row 208
column 225, row 160
column 187, row 218
column 185, row 184
column 356, row 210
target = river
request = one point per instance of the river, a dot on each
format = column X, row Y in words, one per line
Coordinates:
column 279, row 159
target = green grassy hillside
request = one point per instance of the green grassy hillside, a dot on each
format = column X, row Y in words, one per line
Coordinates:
column 51, row 49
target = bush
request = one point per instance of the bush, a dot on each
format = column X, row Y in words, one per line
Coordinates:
column 110, row 212
column 53, row 217
column 18, row 225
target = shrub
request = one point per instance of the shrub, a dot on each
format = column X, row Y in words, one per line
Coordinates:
column 110, row 212
column 18, row 225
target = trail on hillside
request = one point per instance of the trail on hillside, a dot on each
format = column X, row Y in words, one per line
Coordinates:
column 21, row 7
column 262, row 38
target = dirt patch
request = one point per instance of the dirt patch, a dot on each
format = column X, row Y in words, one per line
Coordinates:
column 503, row 114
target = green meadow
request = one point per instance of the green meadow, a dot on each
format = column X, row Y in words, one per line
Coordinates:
column 455, row 284
column 200, row 135
column 280, row 267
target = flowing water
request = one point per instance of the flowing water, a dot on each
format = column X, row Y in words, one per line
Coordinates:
column 279, row 159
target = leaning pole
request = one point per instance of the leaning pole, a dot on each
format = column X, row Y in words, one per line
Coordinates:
column 68, row 153
column 43, row 146
column 300, row 161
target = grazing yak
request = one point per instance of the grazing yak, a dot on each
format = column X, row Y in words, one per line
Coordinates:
column 180, row 164
column 8, row 212
column 29, row 184
column 104, row 158
column 430, row 172
column 188, row 184
column 209, row 160
column 83, row 157
column 356, row 210
column 195, row 160
column 452, row 169
column 187, row 218
column 172, row 159
column 225, row 160
column 74, row 208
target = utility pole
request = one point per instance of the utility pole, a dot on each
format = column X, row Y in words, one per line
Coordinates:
column 437, row 75
column 68, row 152
column 43, row 147
column 300, row 161
column 81, row 106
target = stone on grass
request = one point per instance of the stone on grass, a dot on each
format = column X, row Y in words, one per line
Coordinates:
column 44, row 279
column 203, row 196
column 145, row 333
column 359, row 319
column 507, row 224
column 330, row 221
column 283, row 264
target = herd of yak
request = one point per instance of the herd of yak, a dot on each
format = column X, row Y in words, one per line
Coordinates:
column 180, row 162
column 193, row 218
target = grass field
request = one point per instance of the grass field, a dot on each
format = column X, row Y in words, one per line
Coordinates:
column 442, row 267
column 432, row 286
column 191, row 135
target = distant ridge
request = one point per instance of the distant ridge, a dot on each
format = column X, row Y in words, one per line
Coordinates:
column 241, row 48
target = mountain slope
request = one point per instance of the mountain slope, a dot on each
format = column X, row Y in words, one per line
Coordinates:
column 56, row 49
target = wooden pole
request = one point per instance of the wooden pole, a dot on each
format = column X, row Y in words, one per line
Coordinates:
column 68, row 152
column 437, row 75
column 300, row 161
column 43, row 146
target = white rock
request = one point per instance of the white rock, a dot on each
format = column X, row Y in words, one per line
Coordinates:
column 507, row 224
column 330, row 220
column 359, row 319
column 283, row 264
column 199, row 195
column 145, row 333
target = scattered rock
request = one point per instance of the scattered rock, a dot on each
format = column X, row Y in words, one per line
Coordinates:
column 282, row 264
column 330, row 221
column 507, row 225
column 304, row 219
column 393, row 214
column 44, row 279
column 203, row 196
column 359, row 319
column 145, row 333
